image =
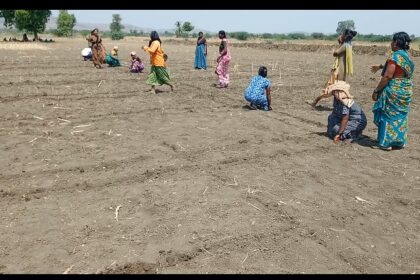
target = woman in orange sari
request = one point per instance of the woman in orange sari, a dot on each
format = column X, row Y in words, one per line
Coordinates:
column 158, row 73
column 98, row 50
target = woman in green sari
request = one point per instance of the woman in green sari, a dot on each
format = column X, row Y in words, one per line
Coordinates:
column 393, row 95
column 158, row 72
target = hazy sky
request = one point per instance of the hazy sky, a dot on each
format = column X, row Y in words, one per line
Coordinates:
column 260, row 21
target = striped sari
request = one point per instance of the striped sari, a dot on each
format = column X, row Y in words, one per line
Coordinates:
column 391, row 109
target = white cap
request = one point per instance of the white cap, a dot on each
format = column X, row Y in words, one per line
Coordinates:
column 86, row 51
column 133, row 53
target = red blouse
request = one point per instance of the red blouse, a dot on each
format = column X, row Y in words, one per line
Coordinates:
column 398, row 70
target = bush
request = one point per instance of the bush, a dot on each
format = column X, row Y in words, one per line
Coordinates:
column 117, row 35
column 297, row 36
column 267, row 36
column 317, row 35
column 242, row 35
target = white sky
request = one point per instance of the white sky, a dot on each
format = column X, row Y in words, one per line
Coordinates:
column 260, row 21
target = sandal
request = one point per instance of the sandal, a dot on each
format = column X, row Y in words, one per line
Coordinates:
column 385, row 148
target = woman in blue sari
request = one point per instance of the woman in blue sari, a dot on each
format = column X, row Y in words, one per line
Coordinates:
column 393, row 95
column 200, row 52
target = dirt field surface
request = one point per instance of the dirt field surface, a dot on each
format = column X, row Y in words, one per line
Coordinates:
column 99, row 176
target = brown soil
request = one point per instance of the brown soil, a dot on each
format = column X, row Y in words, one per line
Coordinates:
column 204, row 185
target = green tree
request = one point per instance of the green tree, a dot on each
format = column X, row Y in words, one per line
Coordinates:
column 178, row 31
column 346, row 24
column 8, row 16
column 65, row 24
column 32, row 21
column 116, row 27
column 187, row 27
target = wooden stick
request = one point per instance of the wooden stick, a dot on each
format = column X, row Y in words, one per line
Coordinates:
column 100, row 83
column 68, row 269
column 39, row 118
column 116, row 212
column 333, row 229
column 208, row 251
column 63, row 108
column 363, row 200
column 76, row 131
column 254, row 206
column 244, row 259
column 60, row 119
column 82, row 125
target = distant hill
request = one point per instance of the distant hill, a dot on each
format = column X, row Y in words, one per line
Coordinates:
column 52, row 24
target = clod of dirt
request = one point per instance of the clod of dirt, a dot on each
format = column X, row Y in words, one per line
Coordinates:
column 132, row 268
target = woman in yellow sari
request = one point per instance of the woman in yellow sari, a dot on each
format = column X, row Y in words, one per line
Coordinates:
column 343, row 63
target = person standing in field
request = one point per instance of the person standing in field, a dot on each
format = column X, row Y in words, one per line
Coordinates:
column 393, row 94
column 223, row 60
column 98, row 50
column 158, row 73
column 343, row 63
column 200, row 52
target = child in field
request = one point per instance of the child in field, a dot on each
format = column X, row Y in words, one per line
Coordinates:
column 258, row 93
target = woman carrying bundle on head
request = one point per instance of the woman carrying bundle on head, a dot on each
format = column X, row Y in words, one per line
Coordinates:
column 343, row 62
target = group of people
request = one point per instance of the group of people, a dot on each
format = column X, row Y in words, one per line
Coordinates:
column 392, row 95
column 222, row 69
column 96, row 52
column 347, row 121
column 26, row 39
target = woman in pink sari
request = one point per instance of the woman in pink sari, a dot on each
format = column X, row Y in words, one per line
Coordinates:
column 223, row 60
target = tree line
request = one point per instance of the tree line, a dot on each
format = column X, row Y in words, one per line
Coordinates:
column 34, row 22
